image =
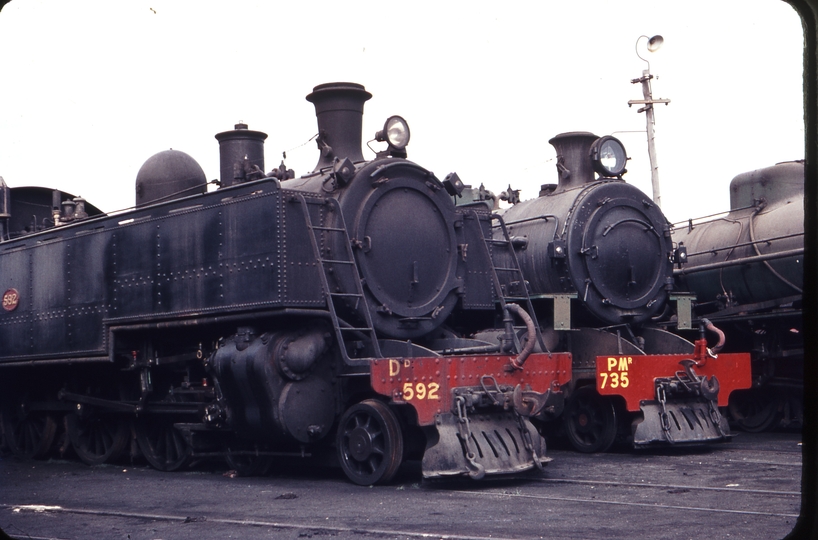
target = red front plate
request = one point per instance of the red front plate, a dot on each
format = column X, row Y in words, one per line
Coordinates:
column 426, row 383
column 632, row 377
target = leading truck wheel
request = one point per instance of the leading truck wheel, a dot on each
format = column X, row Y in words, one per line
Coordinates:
column 590, row 420
column 28, row 434
column 370, row 443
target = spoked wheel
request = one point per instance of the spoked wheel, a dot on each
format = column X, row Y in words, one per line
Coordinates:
column 248, row 464
column 370, row 443
column 29, row 434
column 163, row 446
column 97, row 438
column 755, row 410
column 590, row 420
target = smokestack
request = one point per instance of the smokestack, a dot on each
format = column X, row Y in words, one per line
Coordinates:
column 241, row 154
column 339, row 108
column 574, row 166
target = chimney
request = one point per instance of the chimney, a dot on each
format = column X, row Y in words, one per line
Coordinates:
column 574, row 166
column 339, row 108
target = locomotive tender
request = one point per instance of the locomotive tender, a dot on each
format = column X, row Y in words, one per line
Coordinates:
column 598, row 258
column 273, row 316
column 745, row 268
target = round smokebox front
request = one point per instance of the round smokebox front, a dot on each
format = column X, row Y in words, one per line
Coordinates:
column 408, row 251
column 620, row 245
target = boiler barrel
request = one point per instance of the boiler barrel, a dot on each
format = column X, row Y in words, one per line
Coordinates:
column 604, row 240
column 726, row 255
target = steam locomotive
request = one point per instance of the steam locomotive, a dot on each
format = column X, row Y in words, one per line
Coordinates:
column 745, row 271
column 273, row 316
column 598, row 256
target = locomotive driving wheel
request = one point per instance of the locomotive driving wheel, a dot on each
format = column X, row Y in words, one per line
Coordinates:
column 29, row 433
column 163, row 445
column 369, row 443
column 97, row 437
column 755, row 410
column 590, row 420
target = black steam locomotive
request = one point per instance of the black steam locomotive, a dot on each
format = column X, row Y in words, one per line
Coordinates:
column 598, row 257
column 745, row 270
column 273, row 316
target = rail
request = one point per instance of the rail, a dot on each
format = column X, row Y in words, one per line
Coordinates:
column 736, row 262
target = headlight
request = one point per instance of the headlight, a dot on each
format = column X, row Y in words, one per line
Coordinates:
column 395, row 132
column 609, row 157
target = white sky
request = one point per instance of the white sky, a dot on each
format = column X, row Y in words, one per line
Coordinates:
column 89, row 90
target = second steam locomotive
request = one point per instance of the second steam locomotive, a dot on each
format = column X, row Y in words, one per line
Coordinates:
column 598, row 258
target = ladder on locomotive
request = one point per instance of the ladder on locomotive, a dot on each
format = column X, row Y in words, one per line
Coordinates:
column 345, row 259
column 515, row 273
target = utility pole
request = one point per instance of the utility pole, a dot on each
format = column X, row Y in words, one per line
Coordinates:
column 653, row 44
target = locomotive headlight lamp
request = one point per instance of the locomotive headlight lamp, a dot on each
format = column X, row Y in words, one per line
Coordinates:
column 395, row 132
column 608, row 157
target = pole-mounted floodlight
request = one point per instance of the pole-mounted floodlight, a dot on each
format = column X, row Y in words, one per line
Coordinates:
column 654, row 44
